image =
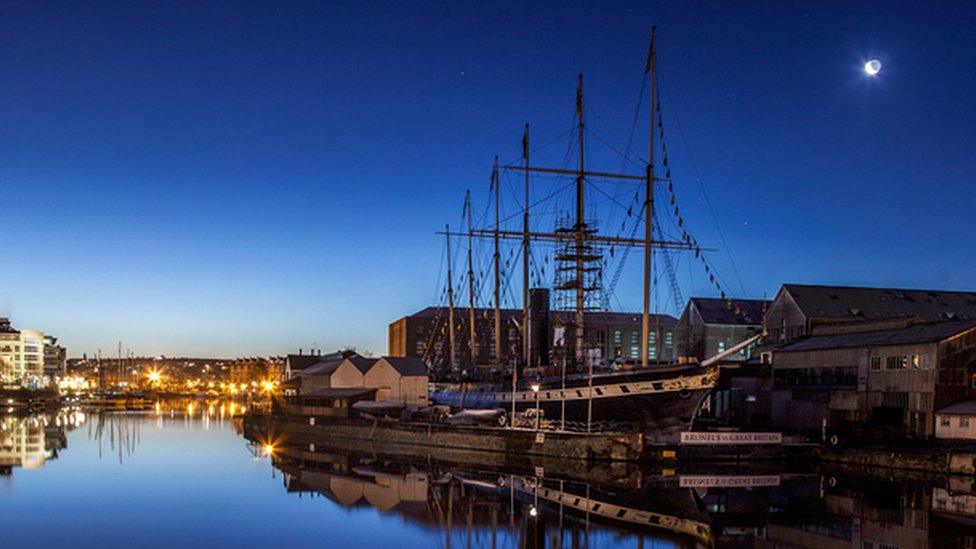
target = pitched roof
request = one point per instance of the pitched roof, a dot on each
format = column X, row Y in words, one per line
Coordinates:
column 346, row 392
column 931, row 332
column 362, row 363
column 966, row 407
column 741, row 312
column 853, row 303
column 323, row 367
column 407, row 366
column 301, row 362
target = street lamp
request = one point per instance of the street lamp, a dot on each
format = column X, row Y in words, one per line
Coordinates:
column 535, row 389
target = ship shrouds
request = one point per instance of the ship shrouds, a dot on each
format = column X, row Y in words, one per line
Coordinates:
column 656, row 399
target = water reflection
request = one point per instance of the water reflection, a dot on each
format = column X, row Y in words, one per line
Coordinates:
column 705, row 505
column 179, row 457
column 31, row 441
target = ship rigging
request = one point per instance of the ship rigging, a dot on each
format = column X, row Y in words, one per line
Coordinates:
column 580, row 253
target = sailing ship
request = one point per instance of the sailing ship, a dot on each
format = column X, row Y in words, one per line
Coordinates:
column 659, row 400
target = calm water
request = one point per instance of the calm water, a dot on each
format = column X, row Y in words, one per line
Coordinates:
column 188, row 475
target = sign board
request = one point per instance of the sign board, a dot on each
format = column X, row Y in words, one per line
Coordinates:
column 730, row 438
column 540, row 438
column 727, row 481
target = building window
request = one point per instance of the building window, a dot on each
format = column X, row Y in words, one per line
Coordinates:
column 964, row 422
column 896, row 363
column 944, row 421
column 974, row 381
column 667, row 339
column 652, row 346
column 876, row 363
column 634, row 345
column 617, row 337
column 916, row 362
column 721, row 346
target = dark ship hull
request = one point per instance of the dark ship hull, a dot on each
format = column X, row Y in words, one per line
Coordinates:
column 657, row 401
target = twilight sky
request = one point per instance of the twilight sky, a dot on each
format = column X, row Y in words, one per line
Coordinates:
column 210, row 179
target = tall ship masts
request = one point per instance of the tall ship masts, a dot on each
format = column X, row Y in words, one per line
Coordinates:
column 653, row 395
column 450, row 301
column 649, row 204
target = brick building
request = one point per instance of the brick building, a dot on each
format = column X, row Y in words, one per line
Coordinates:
column 610, row 336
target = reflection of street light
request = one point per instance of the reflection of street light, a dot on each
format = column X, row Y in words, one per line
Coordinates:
column 535, row 389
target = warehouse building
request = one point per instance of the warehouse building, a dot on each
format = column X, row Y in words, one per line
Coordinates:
column 387, row 379
column 799, row 308
column 886, row 379
column 709, row 326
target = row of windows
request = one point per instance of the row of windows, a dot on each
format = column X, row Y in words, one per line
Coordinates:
column 946, row 421
column 897, row 362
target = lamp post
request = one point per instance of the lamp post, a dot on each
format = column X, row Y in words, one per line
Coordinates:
column 535, row 389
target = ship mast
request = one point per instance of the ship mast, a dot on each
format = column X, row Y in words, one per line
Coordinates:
column 497, row 257
column 471, row 330
column 526, row 341
column 650, row 67
column 580, row 225
column 450, row 300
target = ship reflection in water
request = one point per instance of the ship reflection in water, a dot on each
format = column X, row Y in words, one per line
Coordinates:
column 709, row 505
column 180, row 474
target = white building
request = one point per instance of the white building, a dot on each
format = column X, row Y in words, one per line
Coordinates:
column 957, row 421
column 21, row 355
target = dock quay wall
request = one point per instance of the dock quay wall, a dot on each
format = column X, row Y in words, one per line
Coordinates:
column 944, row 462
column 592, row 446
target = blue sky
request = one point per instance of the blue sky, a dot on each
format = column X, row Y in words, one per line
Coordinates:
column 236, row 179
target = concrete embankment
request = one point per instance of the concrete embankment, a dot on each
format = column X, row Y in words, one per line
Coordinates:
column 524, row 442
column 934, row 460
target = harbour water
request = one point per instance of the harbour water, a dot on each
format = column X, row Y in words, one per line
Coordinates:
column 187, row 474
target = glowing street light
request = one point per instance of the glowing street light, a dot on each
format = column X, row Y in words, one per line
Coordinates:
column 535, row 389
column 154, row 376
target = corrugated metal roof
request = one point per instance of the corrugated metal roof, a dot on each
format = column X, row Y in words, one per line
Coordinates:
column 854, row 303
column 741, row 312
column 920, row 333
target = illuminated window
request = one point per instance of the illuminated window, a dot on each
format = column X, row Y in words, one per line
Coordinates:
column 617, row 336
column 896, row 363
column 721, row 346
column 634, row 345
column 652, row 346
column 916, row 362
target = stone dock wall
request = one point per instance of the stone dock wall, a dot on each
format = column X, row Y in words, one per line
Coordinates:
column 594, row 447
